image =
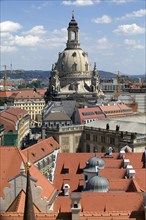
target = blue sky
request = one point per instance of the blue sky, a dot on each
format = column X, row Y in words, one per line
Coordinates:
column 112, row 32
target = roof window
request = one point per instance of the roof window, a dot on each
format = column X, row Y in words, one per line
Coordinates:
column 33, row 154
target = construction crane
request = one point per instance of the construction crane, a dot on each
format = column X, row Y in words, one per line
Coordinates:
column 118, row 77
column 5, row 78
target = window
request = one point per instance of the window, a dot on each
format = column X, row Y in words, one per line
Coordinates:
column 64, row 171
column 88, row 148
column 86, row 177
column 74, row 54
column 72, row 36
column 102, row 139
column 112, row 140
column 88, row 137
column 74, row 67
column 94, row 137
column 86, row 67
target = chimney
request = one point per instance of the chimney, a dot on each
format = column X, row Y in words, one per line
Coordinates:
column 66, row 188
column 131, row 174
column 126, row 162
column 122, row 154
column 75, row 206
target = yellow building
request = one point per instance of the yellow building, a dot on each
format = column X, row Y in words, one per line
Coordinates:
column 32, row 102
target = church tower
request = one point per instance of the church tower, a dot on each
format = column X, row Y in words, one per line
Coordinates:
column 71, row 76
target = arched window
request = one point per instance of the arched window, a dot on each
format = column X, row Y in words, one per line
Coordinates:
column 62, row 66
column 88, row 148
column 74, row 67
column 72, row 36
column 86, row 67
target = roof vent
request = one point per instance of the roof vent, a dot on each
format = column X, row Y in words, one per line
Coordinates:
column 66, row 188
column 131, row 174
column 126, row 162
column 122, row 154
column 128, row 168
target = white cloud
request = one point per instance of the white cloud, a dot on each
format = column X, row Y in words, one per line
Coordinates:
column 28, row 40
column 133, row 44
column 8, row 49
column 10, row 26
column 37, row 30
column 41, row 6
column 134, row 14
column 139, row 13
column 33, row 38
column 57, row 38
column 129, row 42
column 103, row 43
column 129, row 29
column 81, row 2
column 122, row 1
column 102, row 20
column 139, row 46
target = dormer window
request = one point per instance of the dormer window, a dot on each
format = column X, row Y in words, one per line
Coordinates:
column 33, row 154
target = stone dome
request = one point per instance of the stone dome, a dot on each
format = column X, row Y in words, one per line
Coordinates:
column 95, row 161
column 97, row 184
column 73, row 62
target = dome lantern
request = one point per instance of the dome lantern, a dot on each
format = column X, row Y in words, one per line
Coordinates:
column 73, row 41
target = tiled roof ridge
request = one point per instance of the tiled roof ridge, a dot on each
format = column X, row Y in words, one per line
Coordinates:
column 14, row 115
column 21, row 111
column 138, row 188
column 8, row 120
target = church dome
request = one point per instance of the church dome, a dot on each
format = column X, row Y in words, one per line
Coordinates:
column 97, row 184
column 73, row 62
column 95, row 161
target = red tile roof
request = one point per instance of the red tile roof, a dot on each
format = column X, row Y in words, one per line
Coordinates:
column 18, row 204
column 90, row 113
column 26, row 94
column 113, row 171
column 11, row 159
column 11, row 116
column 5, row 94
column 43, row 148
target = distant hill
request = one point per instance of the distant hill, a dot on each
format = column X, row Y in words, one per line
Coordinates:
column 41, row 74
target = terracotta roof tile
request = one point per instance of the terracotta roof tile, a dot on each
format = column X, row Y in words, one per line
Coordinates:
column 9, row 169
column 18, row 204
column 41, row 149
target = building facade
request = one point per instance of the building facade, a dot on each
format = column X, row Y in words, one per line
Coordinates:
column 32, row 102
column 16, row 123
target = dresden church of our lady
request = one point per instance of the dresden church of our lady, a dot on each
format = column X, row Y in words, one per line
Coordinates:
column 71, row 77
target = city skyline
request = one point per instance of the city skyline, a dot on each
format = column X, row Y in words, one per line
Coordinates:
column 111, row 32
